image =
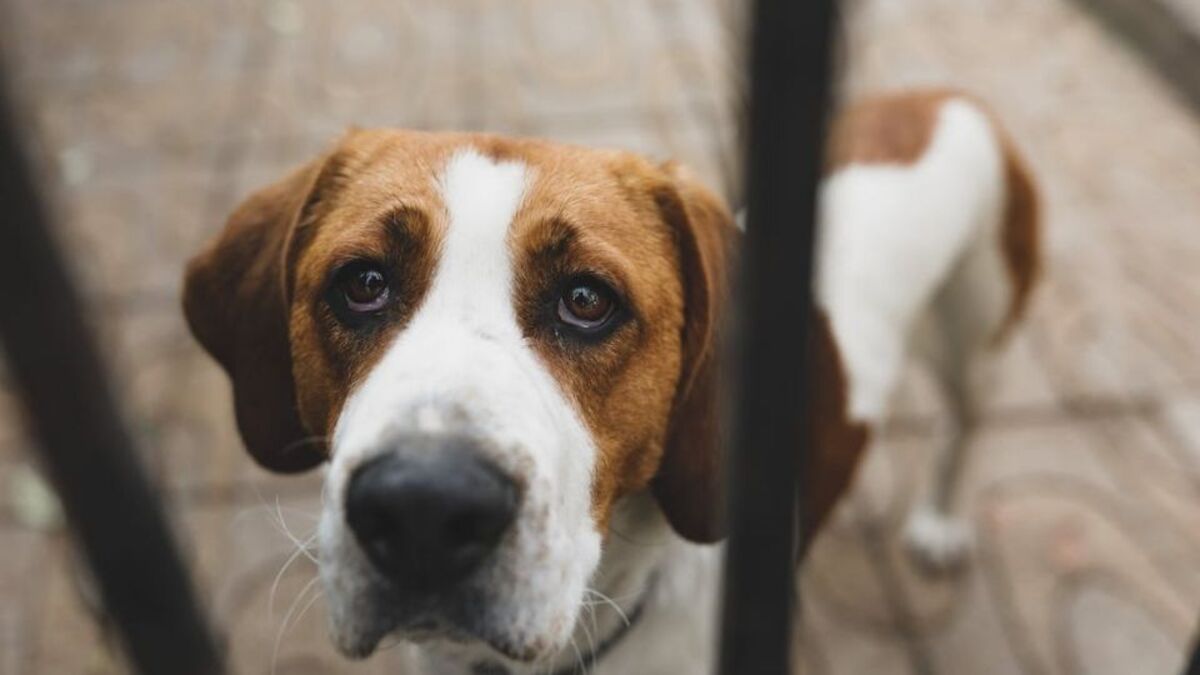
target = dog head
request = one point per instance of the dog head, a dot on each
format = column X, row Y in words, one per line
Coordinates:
column 491, row 342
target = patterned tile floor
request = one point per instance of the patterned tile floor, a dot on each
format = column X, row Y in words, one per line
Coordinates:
column 156, row 116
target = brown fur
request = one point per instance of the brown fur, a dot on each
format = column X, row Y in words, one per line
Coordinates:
column 834, row 445
column 377, row 198
column 592, row 212
column 235, row 302
column 1020, row 234
column 689, row 484
column 386, row 211
column 253, row 297
column 893, row 129
column 648, row 393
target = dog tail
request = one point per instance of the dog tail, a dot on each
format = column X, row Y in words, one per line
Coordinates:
column 1020, row 231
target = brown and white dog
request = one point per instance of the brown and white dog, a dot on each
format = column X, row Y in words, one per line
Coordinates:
column 503, row 349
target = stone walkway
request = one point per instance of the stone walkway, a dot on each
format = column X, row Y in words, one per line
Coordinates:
column 157, row 116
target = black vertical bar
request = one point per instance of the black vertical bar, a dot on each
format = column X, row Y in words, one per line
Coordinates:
column 789, row 90
column 84, row 444
column 1193, row 665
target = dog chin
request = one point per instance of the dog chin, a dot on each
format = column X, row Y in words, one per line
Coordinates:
column 357, row 642
column 456, row 641
column 479, row 649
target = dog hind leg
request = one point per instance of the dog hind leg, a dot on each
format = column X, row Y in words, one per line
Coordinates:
column 957, row 340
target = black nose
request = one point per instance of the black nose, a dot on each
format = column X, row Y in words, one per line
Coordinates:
column 427, row 521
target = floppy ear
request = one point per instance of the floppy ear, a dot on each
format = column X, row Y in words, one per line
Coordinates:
column 236, row 302
column 689, row 485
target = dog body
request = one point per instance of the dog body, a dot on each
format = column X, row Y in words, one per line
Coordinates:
column 505, row 352
column 928, row 248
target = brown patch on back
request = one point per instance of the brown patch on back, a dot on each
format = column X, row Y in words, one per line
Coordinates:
column 897, row 129
column 892, row 129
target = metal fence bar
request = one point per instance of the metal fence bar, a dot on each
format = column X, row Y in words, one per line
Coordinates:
column 85, row 446
column 789, row 89
column 1192, row 667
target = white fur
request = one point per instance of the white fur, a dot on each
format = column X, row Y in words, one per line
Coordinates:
column 679, row 583
column 891, row 235
column 910, row 263
column 463, row 363
column 645, row 563
column 937, row 542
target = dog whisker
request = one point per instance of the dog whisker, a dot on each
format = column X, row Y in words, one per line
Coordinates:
column 282, row 570
column 287, row 623
column 300, row 544
column 580, row 666
column 312, row 601
column 589, row 635
column 612, row 603
column 303, row 442
column 595, row 625
column 275, row 517
column 621, row 598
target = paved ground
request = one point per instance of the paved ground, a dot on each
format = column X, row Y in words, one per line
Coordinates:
column 157, row 116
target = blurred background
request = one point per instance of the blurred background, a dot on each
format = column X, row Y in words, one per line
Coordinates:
column 153, row 118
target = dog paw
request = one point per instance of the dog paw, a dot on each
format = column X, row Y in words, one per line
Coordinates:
column 938, row 544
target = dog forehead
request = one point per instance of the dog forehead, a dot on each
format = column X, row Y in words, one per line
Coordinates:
column 383, row 165
column 396, row 156
column 607, row 194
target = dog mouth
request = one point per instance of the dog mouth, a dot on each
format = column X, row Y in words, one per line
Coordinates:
column 477, row 647
column 454, row 626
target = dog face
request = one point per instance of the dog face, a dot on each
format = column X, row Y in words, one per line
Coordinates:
column 491, row 342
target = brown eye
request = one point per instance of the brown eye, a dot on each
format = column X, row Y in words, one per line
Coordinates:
column 586, row 304
column 363, row 286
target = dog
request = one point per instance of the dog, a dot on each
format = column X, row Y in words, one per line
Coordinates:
column 505, row 353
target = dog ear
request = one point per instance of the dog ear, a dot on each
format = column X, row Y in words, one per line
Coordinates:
column 689, row 485
column 236, row 301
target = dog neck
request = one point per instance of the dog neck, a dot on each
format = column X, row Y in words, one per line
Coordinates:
column 669, row 584
column 677, row 584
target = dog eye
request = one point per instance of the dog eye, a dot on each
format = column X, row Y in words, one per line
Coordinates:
column 363, row 286
column 586, row 304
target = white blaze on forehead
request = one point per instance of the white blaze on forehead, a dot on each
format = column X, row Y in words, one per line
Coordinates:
column 481, row 198
column 471, row 296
